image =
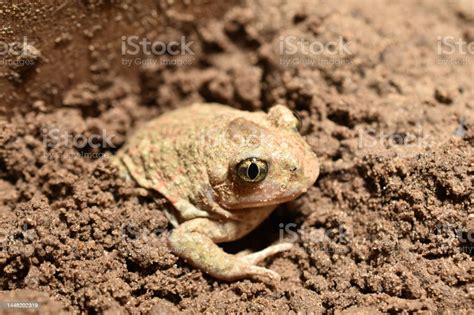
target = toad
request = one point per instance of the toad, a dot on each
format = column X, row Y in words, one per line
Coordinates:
column 224, row 171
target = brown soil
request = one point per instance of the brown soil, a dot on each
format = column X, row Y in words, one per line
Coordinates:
column 388, row 226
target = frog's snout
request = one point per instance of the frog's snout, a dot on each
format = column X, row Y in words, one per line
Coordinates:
column 304, row 173
column 311, row 170
column 294, row 169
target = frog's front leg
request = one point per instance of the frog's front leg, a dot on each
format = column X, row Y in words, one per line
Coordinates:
column 195, row 241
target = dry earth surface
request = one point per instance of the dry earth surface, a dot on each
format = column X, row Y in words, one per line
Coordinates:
column 387, row 106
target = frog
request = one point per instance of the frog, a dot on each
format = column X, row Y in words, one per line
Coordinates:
column 223, row 171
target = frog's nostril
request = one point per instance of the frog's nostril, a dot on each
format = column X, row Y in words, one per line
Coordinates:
column 293, row 168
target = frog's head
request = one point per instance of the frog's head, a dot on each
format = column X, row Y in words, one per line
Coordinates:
column 266, row 161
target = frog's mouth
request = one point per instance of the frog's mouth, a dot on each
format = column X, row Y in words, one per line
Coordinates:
column 261, row 200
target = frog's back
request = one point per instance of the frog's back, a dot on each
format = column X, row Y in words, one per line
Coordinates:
column 168, row 149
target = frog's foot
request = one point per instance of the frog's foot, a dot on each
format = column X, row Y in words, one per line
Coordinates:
column 194, row 241
column 199, row 251
column 250, row 260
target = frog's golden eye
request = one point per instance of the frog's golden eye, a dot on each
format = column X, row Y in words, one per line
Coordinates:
column 252, row 170
column 298, row 121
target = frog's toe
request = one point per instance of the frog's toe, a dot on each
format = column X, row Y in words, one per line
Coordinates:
column 259, row 256
column 250, row 261
column 264, row 273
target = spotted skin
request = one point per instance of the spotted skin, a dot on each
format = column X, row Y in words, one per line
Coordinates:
column 191, row 156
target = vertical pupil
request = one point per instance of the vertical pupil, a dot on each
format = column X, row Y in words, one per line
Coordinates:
column 253, row 171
